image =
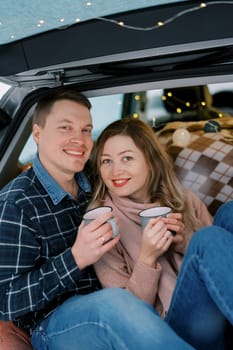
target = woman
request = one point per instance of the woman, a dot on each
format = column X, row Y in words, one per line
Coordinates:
column 134, row 173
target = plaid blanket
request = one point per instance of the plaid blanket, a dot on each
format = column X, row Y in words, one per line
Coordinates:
column 206, row 167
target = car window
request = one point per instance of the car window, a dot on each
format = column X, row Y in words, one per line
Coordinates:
column 104, row 110
column 161, row 106
column 3, row 89
column 147, row 105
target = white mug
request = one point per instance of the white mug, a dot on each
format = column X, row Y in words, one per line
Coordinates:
column 151, row 213
column 93, row 214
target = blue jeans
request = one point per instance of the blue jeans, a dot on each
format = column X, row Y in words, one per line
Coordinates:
column 109, row 319
column 224, row 216
column 203, row 298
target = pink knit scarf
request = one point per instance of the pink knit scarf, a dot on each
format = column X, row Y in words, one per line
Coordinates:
column 127, row 210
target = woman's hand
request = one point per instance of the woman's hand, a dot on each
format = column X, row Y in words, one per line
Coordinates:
column 156, row 240
column 174, row 223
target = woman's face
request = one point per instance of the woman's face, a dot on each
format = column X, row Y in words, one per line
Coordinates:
column 123, row 168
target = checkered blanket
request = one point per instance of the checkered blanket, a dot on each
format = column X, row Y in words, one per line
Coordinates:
column 206, row 167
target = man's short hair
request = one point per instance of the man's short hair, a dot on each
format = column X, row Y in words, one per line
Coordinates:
column 46, row 102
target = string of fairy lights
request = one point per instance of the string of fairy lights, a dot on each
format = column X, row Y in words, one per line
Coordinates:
column 44, row 24
column 161, row 23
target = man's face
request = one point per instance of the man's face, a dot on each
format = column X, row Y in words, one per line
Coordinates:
column 65, row 142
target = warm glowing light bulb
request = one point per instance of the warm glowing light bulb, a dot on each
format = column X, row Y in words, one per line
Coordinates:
column 160, row 23
column 121, row 24
column 135, row 115
column 202, row 5
column 40, row 23
column 178, row 110
column 153, row 122
column 181, row 137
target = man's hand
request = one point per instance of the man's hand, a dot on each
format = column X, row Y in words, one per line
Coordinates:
column 93, row 240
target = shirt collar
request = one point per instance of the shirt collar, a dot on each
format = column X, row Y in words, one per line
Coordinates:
column 55, row 191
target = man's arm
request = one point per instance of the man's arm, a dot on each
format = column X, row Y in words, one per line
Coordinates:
column 27, row 284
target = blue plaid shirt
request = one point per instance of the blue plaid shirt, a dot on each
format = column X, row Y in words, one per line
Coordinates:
column 38, row 226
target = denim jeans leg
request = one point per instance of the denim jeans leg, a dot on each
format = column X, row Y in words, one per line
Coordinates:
column 110, row 319
column 202, row 300
column 224, row 216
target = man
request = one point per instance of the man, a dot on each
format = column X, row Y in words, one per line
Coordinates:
column 47, row 283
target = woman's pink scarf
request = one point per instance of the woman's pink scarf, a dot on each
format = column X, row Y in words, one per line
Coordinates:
column 127, row 210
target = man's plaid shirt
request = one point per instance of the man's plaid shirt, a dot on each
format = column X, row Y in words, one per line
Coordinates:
column 38, row 225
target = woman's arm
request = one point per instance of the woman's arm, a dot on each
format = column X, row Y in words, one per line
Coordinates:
column 116, row 269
